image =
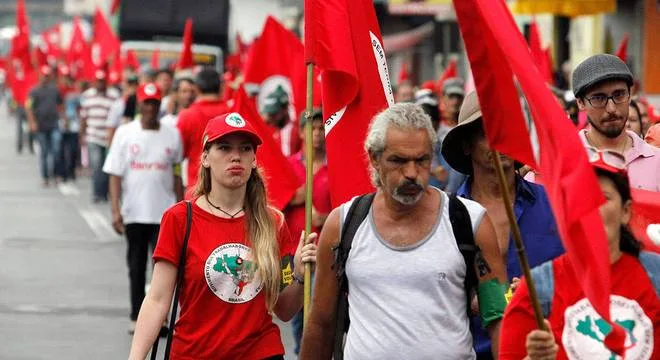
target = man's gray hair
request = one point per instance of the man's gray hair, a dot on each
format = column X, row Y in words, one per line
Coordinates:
column 404, row 116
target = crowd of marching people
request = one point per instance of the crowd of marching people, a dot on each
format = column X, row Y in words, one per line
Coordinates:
column 429, row 256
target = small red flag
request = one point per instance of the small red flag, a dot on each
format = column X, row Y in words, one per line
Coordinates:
column 404, row 75
column 79, row 55
column 622, row 50
column 104, row 43
column 155, row 59
column 116, row 72
column 114, row 7
column 186, row 57
column 51, row 38
column 40, row 56
column 281, row 180
column 344, row 40
column 538, row 54
column 497, row 53
column 451, row 71
column 131, row 60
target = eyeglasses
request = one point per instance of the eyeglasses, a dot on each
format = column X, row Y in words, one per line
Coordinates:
column 608, row 157
column 599, row 101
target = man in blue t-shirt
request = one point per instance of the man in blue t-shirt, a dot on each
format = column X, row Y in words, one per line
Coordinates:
column 466, row 149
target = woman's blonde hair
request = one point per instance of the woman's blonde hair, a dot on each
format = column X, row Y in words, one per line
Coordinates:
column 261, row 229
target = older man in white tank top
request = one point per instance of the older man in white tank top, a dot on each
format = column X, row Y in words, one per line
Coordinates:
column 405, row 272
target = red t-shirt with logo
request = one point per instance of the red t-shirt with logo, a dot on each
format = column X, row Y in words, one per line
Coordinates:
column 192, row 122
column 577, row 329
column 223, row 309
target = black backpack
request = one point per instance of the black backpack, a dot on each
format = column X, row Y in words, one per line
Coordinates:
column 461, row 226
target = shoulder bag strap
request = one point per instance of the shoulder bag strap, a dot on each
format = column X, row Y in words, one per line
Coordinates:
column 461, row 225
column 177, row 289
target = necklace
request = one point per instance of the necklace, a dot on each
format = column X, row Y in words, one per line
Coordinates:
column 591, row 142
column 219, row 209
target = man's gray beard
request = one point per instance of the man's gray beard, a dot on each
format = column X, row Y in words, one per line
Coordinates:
column 407, row 199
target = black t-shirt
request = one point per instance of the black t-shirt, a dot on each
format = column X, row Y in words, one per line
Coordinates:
column 43, row 102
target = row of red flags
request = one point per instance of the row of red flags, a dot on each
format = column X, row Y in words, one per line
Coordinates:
column 82, row 58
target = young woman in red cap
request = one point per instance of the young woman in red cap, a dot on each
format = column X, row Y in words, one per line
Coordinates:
column 576, row 330
column 240, row 265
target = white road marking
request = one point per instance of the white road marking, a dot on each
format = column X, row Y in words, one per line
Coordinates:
column 68, row 189
column 99, row 225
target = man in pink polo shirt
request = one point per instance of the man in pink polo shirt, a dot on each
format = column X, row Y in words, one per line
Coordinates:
column 601, row 85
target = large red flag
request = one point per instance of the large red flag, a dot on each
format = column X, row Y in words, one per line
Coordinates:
column 116, row 72
column 622, row 50
column 22, row 75
column 538, row 54
column 281, row 180
column 645, row 211
column 497, row 53
column 186, row 57
column 40, row 57
column 343, row 38
column 278, row 59
column 105, row 42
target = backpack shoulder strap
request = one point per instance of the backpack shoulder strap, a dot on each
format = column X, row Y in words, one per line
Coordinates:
column 461, row 225
column 544, row 280
column 651, row 263
column 356, row 214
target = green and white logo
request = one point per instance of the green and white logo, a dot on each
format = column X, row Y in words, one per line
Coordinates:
column 235, row 120
column 585, row 331
column 231, row 274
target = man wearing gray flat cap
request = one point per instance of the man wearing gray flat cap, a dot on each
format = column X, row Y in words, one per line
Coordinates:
column 602, row 84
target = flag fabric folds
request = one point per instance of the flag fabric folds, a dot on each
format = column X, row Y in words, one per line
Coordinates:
column 281, row 181
column 21, row 75
column 343, row 39
column 645, row 211
column 497, row 53
column 105, row 43
column 186, row 58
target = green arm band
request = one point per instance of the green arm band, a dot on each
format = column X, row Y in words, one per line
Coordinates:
column 491, row 301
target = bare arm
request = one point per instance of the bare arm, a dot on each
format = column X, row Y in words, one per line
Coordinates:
column 111, row 134
column 319, row 330
column 115, row 195
column 32, row 121
column 489, row 265
column 290, row 300
column 154, row 309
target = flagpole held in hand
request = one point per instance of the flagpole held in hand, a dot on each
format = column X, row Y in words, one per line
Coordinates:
column 309, row 166
column 520, row 247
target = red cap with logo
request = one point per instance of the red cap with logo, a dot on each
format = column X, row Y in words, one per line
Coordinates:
column 148, row 91
column 228, row 124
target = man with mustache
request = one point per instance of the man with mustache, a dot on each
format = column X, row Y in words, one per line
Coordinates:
column 406, row 275
column 466, row 149
column 602, row 85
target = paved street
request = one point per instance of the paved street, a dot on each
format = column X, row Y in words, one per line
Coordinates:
column 63, row 279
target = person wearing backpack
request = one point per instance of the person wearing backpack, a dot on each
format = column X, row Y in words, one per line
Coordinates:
column 407, row 259
column 576, row 330
column 466, row 149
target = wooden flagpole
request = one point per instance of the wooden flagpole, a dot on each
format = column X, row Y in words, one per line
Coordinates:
column 309, row 167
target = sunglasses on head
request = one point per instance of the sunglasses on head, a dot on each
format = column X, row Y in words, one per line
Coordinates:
column 609, row 158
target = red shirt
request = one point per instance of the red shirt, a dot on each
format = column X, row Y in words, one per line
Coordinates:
column 575, row 325
column 223, row 308
column 192, row 122
column 295, row 215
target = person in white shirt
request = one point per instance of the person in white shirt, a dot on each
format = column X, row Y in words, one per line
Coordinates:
column 145, row 180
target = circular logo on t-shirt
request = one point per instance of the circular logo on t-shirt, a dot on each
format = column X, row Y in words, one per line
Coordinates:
column 235, row 120
column 231, row 273
column 585, row 331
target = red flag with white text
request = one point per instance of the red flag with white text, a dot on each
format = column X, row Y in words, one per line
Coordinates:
column 343, row 39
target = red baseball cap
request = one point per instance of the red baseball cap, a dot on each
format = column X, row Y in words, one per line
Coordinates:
column 148, row 91
column 227, row 124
